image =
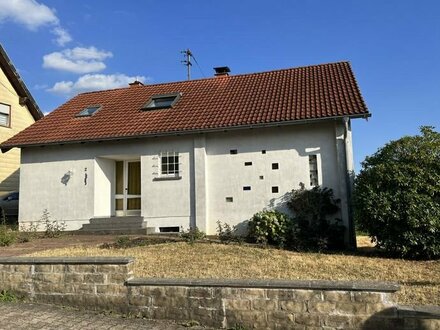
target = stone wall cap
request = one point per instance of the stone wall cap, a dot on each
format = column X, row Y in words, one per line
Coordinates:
column 66, row 260
column 426, row 312
column 269, row 284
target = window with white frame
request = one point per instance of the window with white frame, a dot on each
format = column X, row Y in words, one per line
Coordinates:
column 169, row 163
column 313, row 166
column 5, row 115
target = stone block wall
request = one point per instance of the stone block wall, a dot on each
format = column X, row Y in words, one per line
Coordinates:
column 108, row 284
column 96, row 283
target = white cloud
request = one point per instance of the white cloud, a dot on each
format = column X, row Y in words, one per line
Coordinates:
column 62, row 36
column 94, row 82
column 33, row 15
column 78, row 60
column 27, row 12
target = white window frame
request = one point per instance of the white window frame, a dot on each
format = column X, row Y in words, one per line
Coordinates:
column 316, row 171
column 5, row 112
column 170, row 171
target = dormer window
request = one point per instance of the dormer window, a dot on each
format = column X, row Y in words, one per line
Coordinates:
column 162, row 101
column 89, row 111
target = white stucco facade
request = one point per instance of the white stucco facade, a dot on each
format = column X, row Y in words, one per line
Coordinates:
column 76, row 182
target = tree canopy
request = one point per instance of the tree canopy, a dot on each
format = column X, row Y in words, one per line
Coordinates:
column 397, row 196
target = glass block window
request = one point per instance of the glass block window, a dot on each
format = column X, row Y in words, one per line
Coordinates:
column 5, row 115
column 313, row 166
column 169, row 163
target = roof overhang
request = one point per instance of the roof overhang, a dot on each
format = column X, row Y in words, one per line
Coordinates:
column 6, row 148
column 19, row 86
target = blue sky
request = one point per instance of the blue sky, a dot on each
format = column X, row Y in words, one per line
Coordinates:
column 64, row 47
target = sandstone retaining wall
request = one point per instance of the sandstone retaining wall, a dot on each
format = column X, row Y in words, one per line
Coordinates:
column 108, row 284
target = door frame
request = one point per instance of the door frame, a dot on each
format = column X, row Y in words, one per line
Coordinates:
column 125, row 196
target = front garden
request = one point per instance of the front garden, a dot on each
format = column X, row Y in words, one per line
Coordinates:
column 175, row 258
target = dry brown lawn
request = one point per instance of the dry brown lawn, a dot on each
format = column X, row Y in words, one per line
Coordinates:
column 420, row 280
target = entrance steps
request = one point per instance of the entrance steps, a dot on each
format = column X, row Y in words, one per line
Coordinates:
column 116, row 225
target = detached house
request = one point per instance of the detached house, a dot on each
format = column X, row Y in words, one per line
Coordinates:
column 190, row 153
column 18, row 110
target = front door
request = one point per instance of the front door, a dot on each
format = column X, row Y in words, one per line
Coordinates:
column 128, row 188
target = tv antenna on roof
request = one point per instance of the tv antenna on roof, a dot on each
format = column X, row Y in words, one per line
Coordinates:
column 187, row 62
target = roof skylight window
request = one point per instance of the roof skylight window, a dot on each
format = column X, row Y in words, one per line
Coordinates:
column 162, row 101
column 89, row 111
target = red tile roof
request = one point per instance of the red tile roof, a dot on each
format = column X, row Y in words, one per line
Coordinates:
column 258, row 99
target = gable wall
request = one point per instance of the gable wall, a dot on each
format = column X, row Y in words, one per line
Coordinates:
column 20, row 119
column 288, row 146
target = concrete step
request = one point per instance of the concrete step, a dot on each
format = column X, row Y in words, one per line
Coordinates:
column 116, row 225
column 116, row 232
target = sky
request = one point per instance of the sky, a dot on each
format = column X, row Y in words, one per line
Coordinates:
column 62, row 48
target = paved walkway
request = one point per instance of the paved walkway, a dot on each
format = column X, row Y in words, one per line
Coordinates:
column 26, row 316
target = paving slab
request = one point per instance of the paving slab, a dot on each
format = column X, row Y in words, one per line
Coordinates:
column 28, row 316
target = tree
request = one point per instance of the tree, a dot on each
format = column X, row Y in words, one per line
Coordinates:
column 397, row 196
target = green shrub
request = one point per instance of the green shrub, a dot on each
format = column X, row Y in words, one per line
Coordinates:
column 397, row 196
column 6, row 296
column 228, row 234
column 7, row 235
column 315, row 225
column 269, row 227
column 53, row 228
column 192, row 235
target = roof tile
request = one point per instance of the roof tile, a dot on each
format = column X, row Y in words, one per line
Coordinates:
column 288, row 95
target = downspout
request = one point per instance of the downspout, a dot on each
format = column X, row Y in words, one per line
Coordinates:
column 349, row 187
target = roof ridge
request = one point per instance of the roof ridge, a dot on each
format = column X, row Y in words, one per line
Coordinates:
column 212, row 78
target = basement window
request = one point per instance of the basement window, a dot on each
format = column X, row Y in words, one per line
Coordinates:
column 229, row 199
column 162, row 101
column 89, row 111
column 247, row 188
column 169, row 229
column 233, row 151
column 275, row 189
column 247, row 163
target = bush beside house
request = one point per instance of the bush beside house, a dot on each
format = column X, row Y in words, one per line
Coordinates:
column 397, row 196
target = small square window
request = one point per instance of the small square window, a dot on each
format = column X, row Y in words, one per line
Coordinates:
column 275, row 166
column 229, row 199
column 247, row 188
column 247, row 163
column 233, row 151
column 261, row 177
column 263, row 152
column 275, row 189
column 162, row 101
column 89, row 111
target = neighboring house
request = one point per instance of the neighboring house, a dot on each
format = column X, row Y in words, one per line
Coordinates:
column 194, row 152
column 18, row 110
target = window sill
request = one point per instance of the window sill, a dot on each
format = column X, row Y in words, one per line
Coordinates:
column 167, row 178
